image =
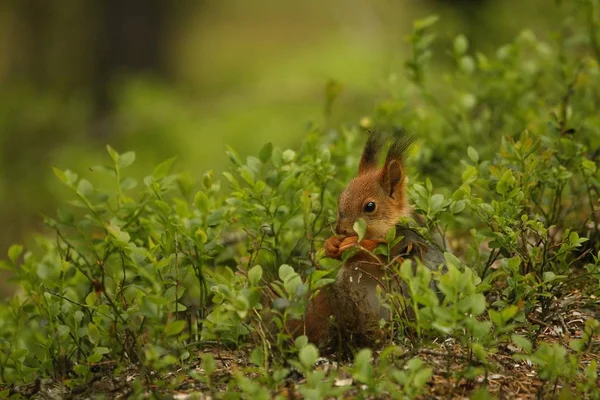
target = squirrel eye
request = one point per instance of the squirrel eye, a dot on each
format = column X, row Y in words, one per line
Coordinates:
column 369, row 207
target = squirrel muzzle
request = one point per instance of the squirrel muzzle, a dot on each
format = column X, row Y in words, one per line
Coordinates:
column 344, row 227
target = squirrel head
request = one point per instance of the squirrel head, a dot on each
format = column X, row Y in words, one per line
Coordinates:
column 377, row 194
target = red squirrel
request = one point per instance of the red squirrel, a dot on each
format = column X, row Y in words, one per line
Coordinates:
column 351, row 304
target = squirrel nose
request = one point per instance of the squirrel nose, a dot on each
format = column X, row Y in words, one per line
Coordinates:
column 341, row 229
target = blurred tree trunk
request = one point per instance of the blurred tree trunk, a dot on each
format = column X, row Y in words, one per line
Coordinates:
column 89, row 45
column 67, row 57
column 130, row 38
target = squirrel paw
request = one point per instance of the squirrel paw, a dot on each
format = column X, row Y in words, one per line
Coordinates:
column 335, row 246
column 332, row 247
column 371, row 244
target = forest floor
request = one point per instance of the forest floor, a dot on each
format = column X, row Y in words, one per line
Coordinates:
column 507, row 377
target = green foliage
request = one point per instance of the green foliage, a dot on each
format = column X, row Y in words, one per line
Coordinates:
column 155, row 274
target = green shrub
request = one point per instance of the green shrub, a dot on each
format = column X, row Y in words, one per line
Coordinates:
column 152, row 275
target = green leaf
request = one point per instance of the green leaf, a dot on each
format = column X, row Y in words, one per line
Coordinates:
column 14, row 252
column 85, row 188
column 426, row 22
column 60, row 174
column 257, row 357
column 589, row 166
column 247, row 175
column 230, row 178
column 390, row 235
column 277, row 157
column 478, row 303
column 255, row 274
column 285, row 271
column 163, row 169
column 201, row 202
column 93, row 333
column 469, row 175
column 467, row 65
column 363, row 370
column 280, row 304
column 522, row 342
column 71, row 177
column 452, row 260
column 208, row 363
column 308, row 355
column 104, row 169
column 301, row 341
column 473, row 154
column 265, row 153
column 360, row 227
column 19, row 354
column 207, row 179
column 509, row 313
column 174, row 328
column 78, row 316
column 577, row 345
column 306, row 202
column 292, row 284
column 163, row 206
column 91, row 298
column 102, row 350
column 422, row 377
column 458, row 206
column 435, row 203
column 363, row 357
column 461, row 44
column 548, row 276
column 118, row 234
column 126, row 159
column 505, row 182
column 94, row 358
column 112, row 153
column 233, row 156
column 288, row 156
column 128, row 184
column 573, row 238
column 63, row 330
column 201, row 236
column 254, row 164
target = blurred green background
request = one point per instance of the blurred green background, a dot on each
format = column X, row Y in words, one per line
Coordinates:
column 184, row 78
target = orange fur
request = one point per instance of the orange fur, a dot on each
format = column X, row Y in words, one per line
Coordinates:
column 353, row 293
column 316, row 325
column 385, row 186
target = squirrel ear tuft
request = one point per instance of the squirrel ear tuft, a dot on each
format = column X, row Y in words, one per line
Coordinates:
column 399, row 147
column 370, row 153
column 392, row 177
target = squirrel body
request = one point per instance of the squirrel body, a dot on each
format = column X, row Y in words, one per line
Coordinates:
column 350, row 308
